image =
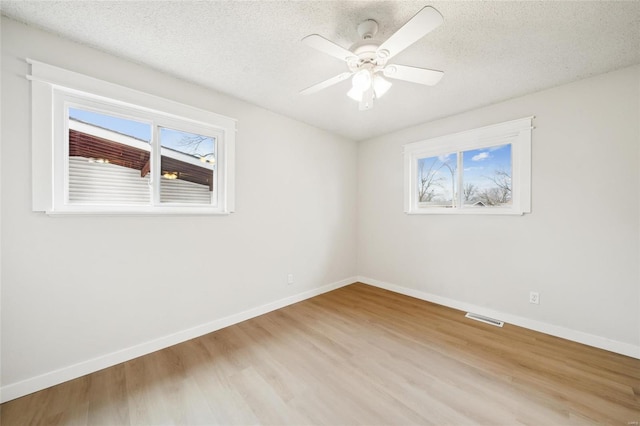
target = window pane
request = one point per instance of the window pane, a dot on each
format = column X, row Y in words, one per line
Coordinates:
column 487, row 176
column 108, row 159
column 437, row 181
column 188, row 165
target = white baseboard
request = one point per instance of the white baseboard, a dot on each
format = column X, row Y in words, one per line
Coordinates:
column 34, row 384
column 553, row 330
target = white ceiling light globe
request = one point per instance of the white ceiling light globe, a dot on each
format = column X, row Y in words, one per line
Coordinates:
column 362, row 80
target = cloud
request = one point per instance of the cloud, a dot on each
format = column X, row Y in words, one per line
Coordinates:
column 482, row 156
column 444, row 158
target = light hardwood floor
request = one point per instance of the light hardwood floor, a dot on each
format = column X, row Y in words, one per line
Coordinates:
column 356, row 355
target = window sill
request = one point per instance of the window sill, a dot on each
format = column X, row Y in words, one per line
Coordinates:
column 187, row 211
column 468, row 211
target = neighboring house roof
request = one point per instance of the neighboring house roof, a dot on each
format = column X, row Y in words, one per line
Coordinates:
column 90, row 141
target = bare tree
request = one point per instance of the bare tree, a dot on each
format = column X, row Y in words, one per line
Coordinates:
column 428, row 181
column 469, row 191
column 501, row 192
column 192, row 144
column 490, row 197
column 502, row 179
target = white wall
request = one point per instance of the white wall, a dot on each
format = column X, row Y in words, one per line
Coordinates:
column 75, row 289
column 578, row 247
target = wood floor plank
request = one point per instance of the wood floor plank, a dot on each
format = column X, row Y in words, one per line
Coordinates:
column 354, row 356
column 107, row 397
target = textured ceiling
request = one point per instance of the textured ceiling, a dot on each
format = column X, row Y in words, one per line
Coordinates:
column 489, row 51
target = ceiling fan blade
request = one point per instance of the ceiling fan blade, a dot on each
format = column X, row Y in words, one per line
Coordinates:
column 326, row 46
column 413, row 74
column 423, row 22
column 324, row 84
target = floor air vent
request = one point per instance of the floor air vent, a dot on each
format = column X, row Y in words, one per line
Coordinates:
column 485, row 320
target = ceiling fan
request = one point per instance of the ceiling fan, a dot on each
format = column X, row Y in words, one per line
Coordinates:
column 367, row 59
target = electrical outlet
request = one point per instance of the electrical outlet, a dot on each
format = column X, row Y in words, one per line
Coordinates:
column 534, row 297
column 290, row 279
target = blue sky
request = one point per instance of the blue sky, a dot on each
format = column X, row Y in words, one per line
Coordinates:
column 188, row 143
column 442, row 167
column 170, row 138
column 479, row 165
column 132, row 128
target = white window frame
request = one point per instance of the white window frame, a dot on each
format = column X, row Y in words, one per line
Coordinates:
column 54, row 90
column 516, row 132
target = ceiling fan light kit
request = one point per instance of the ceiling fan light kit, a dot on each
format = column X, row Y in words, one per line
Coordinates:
column 364, row 80
column 367, row 58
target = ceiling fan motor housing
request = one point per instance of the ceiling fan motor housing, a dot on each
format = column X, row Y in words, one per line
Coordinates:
column 366, row 49
column 365, row 54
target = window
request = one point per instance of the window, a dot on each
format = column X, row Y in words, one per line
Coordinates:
column 103, row 148
column 481, row 171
